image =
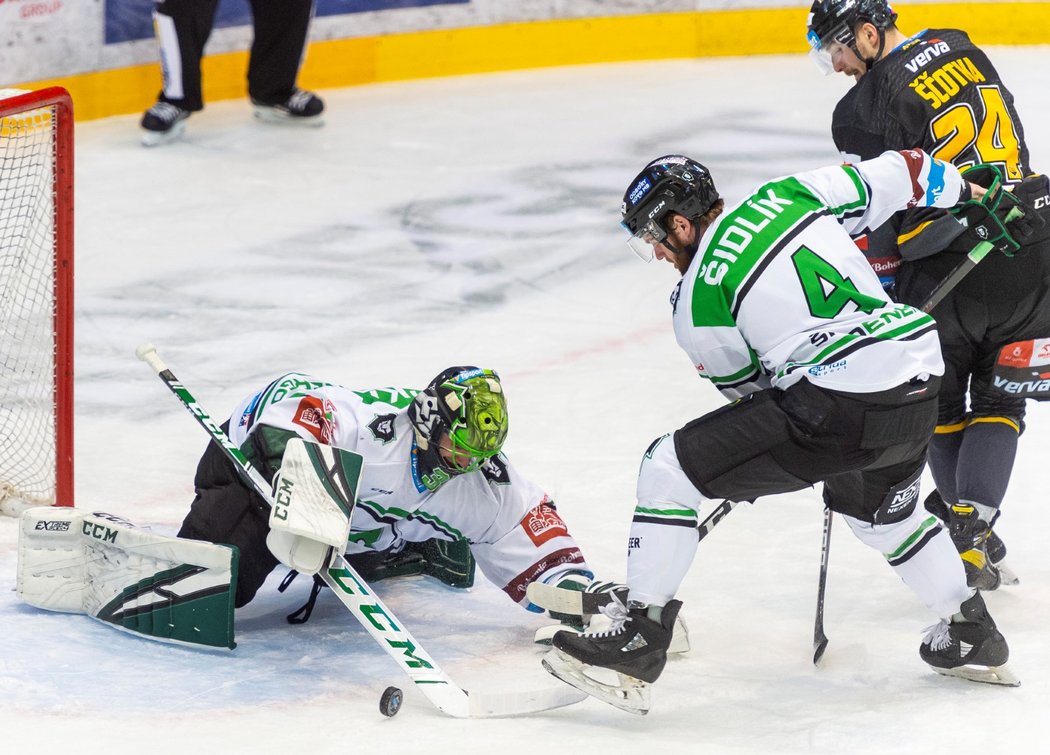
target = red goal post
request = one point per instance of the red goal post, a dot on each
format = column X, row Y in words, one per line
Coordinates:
column 36, row 299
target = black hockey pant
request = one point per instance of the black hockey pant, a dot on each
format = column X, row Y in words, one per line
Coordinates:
column 183, row 28
column 867, row 448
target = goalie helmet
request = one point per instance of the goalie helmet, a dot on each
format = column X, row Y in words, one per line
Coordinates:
column 832, row 21
column 672, row 183
column 468, row 405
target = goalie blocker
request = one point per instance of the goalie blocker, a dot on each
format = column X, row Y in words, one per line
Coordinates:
column 162, row 588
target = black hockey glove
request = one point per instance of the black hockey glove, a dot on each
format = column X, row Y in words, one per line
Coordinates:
column 1034, row 195
column 988, row 218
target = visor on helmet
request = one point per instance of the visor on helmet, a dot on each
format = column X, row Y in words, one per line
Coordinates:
column 648, row 236
column 825, row 50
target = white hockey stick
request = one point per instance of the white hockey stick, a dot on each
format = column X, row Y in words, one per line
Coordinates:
column 368, row 609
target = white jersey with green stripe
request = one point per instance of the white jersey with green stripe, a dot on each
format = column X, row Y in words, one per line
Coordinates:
column 778, row 291
column 515, row 534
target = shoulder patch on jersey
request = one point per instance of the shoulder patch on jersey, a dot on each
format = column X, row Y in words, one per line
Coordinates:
column 495, row 470
column 675, row 296
column 382, row 428
column 317, row 416
column 543, row 523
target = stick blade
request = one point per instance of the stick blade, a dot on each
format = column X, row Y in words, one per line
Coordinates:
column 820, row 644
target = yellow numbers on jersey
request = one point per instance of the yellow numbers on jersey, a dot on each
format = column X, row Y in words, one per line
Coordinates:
column 991, row 136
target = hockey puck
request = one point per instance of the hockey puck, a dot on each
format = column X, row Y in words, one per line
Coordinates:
column 390, row 702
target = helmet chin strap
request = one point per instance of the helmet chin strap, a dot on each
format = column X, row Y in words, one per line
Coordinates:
column 869, row 63
column 689, row 249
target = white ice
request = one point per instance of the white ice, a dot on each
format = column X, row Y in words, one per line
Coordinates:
column 475, row 220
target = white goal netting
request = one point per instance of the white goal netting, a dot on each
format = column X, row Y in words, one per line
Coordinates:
column 28, row 306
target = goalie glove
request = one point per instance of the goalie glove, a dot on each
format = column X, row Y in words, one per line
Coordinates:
column 994, row 217
column 314, row 495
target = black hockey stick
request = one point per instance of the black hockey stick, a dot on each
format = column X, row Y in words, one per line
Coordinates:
column 820, row 640
column 366, row 607
column 945, row 287
column 952, row 279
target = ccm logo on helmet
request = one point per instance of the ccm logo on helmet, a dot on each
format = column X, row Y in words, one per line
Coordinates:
column 657, row 209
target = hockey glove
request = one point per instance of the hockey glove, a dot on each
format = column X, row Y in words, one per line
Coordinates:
column 986, row 219
column 1034, row 195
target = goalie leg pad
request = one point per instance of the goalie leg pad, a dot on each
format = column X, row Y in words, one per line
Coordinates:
column 159, row 587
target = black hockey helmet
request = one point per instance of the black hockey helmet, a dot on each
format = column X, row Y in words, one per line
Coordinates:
column 468, row 404
column 833, row 21
column 672, row 183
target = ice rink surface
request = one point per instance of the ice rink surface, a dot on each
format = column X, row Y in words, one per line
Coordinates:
column 475, row 221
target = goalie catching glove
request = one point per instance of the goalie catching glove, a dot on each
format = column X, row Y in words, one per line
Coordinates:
column 314, row 493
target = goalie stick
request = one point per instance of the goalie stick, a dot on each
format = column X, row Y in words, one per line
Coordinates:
column 380, row 622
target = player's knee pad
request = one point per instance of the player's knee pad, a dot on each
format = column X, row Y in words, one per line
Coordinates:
column 661, row 478
column 895, row 538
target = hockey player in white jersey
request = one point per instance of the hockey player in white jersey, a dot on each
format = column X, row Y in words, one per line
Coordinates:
column 832, row 382
column 435, row 491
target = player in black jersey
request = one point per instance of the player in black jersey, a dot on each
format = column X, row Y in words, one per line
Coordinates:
column 937, row 91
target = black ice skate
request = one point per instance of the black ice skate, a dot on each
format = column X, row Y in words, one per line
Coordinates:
column 969, row 646
column 163, row 123
column 996, row 550
column 634, row 648
column 970, row 535
column 302, row 108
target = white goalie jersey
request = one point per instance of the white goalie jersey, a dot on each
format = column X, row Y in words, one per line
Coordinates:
column 514, row 532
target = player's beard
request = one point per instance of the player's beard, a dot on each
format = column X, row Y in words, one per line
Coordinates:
column 683, row 257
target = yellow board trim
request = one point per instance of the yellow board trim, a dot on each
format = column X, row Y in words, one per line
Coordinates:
column 503, row 47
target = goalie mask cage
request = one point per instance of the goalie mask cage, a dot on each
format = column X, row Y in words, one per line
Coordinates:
column 36, row 299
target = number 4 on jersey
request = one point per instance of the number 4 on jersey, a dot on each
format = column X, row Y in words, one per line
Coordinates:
column 827, row 291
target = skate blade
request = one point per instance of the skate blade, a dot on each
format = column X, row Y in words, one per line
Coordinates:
column 271, row 115
column 632, row 695
column 157, row 138
column 1007, row 575
column 1000, row 675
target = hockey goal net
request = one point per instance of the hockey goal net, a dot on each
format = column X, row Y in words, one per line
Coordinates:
column 36, row 299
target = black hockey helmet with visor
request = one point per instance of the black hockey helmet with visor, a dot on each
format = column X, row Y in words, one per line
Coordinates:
column 669, row 184
column 834, row 22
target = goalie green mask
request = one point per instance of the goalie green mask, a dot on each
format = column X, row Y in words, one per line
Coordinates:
column 460, row 420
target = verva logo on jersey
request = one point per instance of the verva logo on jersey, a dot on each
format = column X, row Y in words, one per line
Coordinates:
column 543, row 524
column 318, row 417
column 935, row 49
